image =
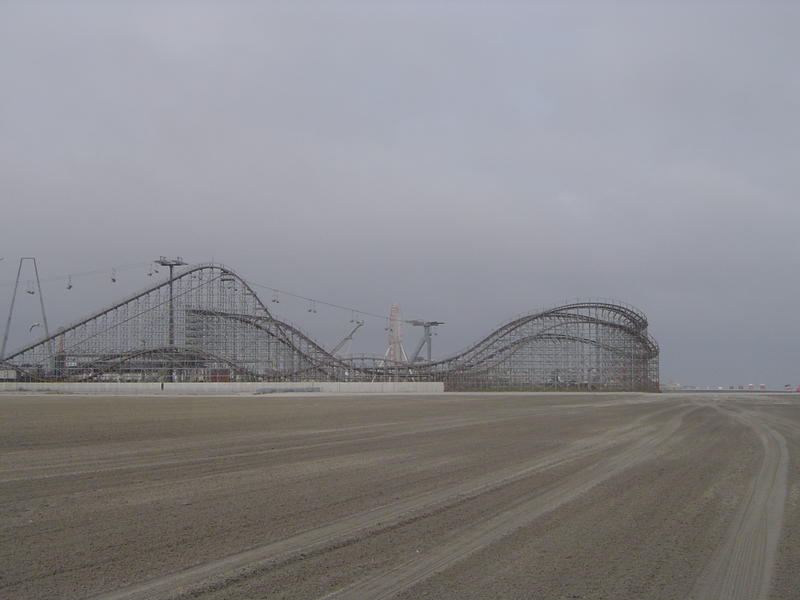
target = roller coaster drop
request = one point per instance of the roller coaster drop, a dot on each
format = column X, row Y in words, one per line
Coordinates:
column 207, row 324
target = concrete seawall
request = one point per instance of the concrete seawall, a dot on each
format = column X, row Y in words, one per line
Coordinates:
column 263, row 387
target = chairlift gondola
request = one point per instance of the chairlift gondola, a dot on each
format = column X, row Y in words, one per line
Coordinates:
column 69, row 282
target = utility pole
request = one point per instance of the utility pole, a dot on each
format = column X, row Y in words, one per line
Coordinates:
column 171, row 263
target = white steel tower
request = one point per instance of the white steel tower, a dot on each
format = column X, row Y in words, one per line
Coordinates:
column 395, row 351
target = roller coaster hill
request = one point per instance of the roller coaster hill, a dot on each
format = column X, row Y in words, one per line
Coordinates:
column 206, row 324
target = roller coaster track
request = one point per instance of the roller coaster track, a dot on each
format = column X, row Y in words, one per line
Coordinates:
column 220, row 325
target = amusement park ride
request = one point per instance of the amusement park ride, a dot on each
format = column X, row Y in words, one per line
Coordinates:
column 206, row 323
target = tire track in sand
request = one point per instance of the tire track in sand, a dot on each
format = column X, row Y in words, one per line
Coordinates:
column 341, row 437
column 235, row 567
column 742, row 566
column 473, row 538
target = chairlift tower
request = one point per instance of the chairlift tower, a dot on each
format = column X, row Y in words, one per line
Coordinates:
column 171, row 263
column 426, row 337
column 348, row 338
column 14, row 297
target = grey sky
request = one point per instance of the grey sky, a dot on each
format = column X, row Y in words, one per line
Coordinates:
column 470, row 161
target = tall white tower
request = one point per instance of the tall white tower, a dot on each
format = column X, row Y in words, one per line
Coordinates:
column 395, row 351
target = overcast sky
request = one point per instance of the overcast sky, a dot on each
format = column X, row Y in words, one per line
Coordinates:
column 469, row 161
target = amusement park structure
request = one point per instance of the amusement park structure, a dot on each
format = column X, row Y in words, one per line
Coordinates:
column 206, row 324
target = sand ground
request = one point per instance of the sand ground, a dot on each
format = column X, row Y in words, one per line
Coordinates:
column 441, row 496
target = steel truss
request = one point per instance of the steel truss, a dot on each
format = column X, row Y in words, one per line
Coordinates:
column 207, row 324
